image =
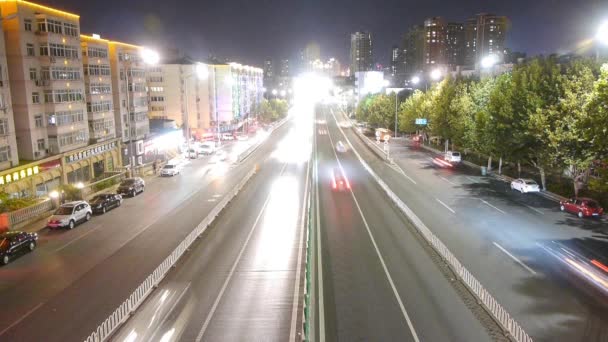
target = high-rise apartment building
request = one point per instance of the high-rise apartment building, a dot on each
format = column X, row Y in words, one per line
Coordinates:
column 98, row 88
column 45, row 76
column 130, row 98
column 434, row 43
column 8, row 141
column 309, row 55
column 413, row 50
column 361, row 52
column 485, row 34
column 395, row 60
column 454, row 45
column 268, row 69
column 284, row 70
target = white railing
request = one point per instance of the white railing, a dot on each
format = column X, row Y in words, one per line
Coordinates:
column 124, row 310
column 500, row 315
column 21, row 215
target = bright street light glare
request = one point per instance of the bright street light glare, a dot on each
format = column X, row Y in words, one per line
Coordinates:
column 149, row 57
column 386, row 83
column 415, row 80
column 274, row 92
column 489, row 61
column 201, row 71
column 283, row 93
column 436, row 74
column 602, row 33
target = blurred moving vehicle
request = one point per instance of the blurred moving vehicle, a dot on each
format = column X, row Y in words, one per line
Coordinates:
column 192, row 153
column 70, row 214
column 339, row 182
column 341, row 147
column 131, row 186
column 452, row 157
column 582, row 207
column 416, row 138
column 103, row 202
column 227, row 136
column 13, row 243
column 219, row 156
column 242, row 137
column 207, row 148
column 525, row 185
column 169, row 170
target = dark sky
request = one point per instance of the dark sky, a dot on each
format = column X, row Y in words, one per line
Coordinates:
column 248, row 31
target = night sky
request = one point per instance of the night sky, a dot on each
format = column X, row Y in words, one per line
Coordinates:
column 249, row 31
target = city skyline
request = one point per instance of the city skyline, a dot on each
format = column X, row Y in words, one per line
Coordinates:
column 534, row 30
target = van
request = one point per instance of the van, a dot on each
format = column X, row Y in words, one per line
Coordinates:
column 207, row 148
column 453, row 157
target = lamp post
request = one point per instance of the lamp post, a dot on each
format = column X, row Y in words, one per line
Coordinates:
column 149, row 57
column 201, row 73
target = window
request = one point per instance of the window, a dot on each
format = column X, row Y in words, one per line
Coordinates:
column 99, row 88
column 5, row 153
column 41, row 25
column 38, row 121
column 97, row 70
column 27, row 24
column 124, row 103
column 157, row 89
column 59, row 50
column 62, row 95
column 30, row 49
column 137, row 87
column 41, row 145
column 139, row 116
column 65, row 117
column 157, row 98
column 70, row 29
column 60, row 73
column 35, row 97
column 72, row 138
column 97, row 52
column 33, row 74
column 3, row 126
column 155, row 79
column 102, row 106
column 54, row 26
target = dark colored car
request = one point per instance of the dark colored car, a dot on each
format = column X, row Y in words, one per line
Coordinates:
column 104, row 202
column 131, row 186
column 582, row 207
column 14, row 243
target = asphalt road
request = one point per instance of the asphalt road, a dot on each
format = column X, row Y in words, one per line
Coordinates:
column 503, row 238
column 378, row 281
column 75, row 279
column 241, row 281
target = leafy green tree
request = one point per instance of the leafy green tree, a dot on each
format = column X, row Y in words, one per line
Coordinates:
column 363, row 108
column 443, row 115
column 597, row 119
column 382, row 111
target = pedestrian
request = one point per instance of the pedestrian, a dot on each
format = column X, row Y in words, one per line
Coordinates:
column 154, row 167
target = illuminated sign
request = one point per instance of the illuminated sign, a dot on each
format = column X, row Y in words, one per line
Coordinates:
column 420, row 121
column 74, row 157
column 17, row 175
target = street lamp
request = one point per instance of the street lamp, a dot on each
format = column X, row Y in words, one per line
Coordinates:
column 148, row 57
column 602, row 33
column 435, row 74
column 489, row 61
column 202, row 73
column 274, row 92
column 283, row 93
column 415, row 80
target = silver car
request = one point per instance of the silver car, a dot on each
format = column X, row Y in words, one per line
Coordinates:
column 70, row 214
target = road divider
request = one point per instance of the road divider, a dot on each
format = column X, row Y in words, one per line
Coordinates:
column 511, row 328
column 124, row 310
column 248, row 151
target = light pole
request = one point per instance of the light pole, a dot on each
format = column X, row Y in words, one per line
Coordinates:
column 149, row 57
column 201, row 73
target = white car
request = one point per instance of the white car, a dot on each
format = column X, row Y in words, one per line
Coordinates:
column 227, row 136
column 524, row 185
column 192, row 154
column 69, row 214
column 340, row 147
column 169, row 170
column 242, row 137
column 452, row 157
column 207, row 148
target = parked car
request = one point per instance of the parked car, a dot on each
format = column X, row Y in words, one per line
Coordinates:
column 104, row 202
column 13, row 243
column 169, row 170
column 131, row 186
column 68, row 215
column 525, row 185
column 227, row 136
column 582, row 207
column 452, row 157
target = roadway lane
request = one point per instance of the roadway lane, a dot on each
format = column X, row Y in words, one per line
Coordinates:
column 499, row 235
column 81, row 281
column 241, row 281
column 379, row 282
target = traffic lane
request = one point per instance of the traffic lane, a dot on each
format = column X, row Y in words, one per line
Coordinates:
column 359, row 303
column 436, row 309
column 187, row 296
column 135, row 258
column 530, row 298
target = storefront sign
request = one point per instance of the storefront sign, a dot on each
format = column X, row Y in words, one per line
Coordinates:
column 84, row 154
column 17, row 175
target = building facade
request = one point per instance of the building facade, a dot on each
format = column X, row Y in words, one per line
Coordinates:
column 454, row 45
column 485, row 34
column 413, row 50
column 9, row 156
column 434, row 43
column 98, row 88
column 361, row 57
column 284, row 70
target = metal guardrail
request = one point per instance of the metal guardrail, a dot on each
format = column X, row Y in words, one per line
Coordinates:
column 21, row 215
column 306, row 307
column 500, row 315
column 124, row 310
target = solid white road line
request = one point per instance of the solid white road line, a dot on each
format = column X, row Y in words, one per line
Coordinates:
column 515, row 258
column 371, row 236
column 321, row 302
column 78, row 238
column 199, row 337
column 21, row 318
column 398, row 168
column 445, row 205
column 532, row 208
column 447, row 180
column 491, row 206
column 296, row 286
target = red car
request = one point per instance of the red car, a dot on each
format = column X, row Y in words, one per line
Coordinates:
column 339, row 182
column 582, row 207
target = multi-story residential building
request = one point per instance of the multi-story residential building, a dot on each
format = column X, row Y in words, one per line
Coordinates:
column 98, row 88
column 8, row 142
column 284, row 70
column 454, row 45
column 485, row 34
column 308, row 55
column 130, row 98
column 434, row 43
column 45, row 76
column 268, row 69
column 361, row 52
column 413, row 50
column 395, row 60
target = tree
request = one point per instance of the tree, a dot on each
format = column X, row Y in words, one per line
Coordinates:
column 597, row 119
column 443, row 116
column 382, row 111
column 363, row 109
